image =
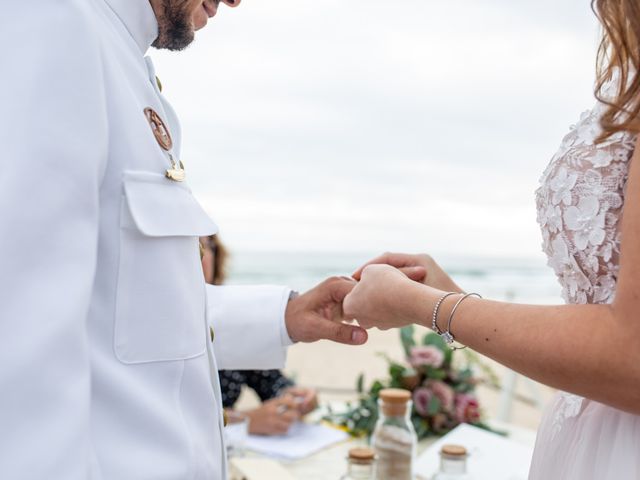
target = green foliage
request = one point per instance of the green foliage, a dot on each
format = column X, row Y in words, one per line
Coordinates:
column 397, row 374
column 434, row 406
column 458, row 377
column 421, row 425
column 375, row 389
column 407, row 337
column 435, row 373
column 360, row 384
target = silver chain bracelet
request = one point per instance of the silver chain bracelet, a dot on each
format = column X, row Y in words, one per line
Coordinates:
column 448, row 336
column 436, row 309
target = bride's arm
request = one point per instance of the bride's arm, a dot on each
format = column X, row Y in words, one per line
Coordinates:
column 590, row 350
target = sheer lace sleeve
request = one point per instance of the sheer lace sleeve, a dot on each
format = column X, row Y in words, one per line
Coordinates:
column 579, row 206
column 580, row 203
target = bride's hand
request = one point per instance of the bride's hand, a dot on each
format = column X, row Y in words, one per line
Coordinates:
column 383, row 298
column 421, row 268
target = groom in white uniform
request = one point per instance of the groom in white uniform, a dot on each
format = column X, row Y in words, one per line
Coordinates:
column 109, row 339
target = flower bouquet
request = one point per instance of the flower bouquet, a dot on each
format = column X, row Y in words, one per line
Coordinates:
column 442, row 381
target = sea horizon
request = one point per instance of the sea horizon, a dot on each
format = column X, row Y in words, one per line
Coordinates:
column 525, row 279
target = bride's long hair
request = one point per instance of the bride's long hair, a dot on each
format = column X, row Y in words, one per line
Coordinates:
column 619, row 55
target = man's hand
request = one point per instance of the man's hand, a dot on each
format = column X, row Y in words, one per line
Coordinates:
column 306, row 398
column 421, row 268
column 318, row 315
column 274, row 417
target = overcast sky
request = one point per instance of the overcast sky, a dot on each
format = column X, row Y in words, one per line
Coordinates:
column 369, row 125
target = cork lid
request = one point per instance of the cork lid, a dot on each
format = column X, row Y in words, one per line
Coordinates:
column 362, row 454
column 395, row 395
column 453, row 451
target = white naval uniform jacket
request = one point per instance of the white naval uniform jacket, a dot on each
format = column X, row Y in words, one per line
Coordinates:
column 106, row 367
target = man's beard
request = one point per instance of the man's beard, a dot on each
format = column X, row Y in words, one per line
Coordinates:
column 175, row 28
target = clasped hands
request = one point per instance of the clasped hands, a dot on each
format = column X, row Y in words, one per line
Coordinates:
column 383, row 294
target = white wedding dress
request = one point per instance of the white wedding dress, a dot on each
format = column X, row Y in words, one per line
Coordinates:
column 580, row 204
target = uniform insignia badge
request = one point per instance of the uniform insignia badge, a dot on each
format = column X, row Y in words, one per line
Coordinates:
column 163, row 137
column 159, row 129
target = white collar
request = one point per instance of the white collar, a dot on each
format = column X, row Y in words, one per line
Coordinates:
column 139, row 19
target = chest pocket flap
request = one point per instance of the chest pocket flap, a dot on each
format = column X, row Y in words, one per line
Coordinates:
column 160, row 208
column 160, row 305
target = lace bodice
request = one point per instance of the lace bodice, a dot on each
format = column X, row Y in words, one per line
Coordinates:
column 580, row 204
column 579, row 207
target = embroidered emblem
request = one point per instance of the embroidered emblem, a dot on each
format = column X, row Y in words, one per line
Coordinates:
column 159, row 129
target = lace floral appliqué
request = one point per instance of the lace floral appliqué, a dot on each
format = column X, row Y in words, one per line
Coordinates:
column 579, row 206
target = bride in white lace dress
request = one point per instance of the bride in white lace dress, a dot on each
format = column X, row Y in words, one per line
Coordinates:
column 590, row 346
column 580, row 204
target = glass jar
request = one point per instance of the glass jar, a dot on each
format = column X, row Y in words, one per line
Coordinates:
column 453, row 463
column 361, row 464
column 394, row 438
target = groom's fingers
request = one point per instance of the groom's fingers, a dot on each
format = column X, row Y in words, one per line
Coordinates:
column 341, row 333
column 340, row 287
column 337, row 289
column 417, row 274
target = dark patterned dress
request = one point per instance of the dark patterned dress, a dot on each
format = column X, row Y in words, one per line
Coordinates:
column 267, row 384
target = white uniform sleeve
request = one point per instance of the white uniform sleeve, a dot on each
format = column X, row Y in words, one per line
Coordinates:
column 53, row 147
column 249, row 326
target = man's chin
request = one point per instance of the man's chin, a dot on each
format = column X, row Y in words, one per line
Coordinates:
column 175, row 40
column 177, row 28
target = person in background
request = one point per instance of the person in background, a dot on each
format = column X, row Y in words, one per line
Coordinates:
column 282, row 402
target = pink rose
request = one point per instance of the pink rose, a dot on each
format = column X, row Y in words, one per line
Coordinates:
column 426, row 356
column 421, row 399
column 467, row 408
column 444, row 393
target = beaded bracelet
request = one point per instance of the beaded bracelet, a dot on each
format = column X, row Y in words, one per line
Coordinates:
column 448, row 336
column 436, row 309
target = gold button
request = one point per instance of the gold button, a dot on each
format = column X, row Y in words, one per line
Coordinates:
column 159, row 83
column 212, row 334
column 225, row 417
